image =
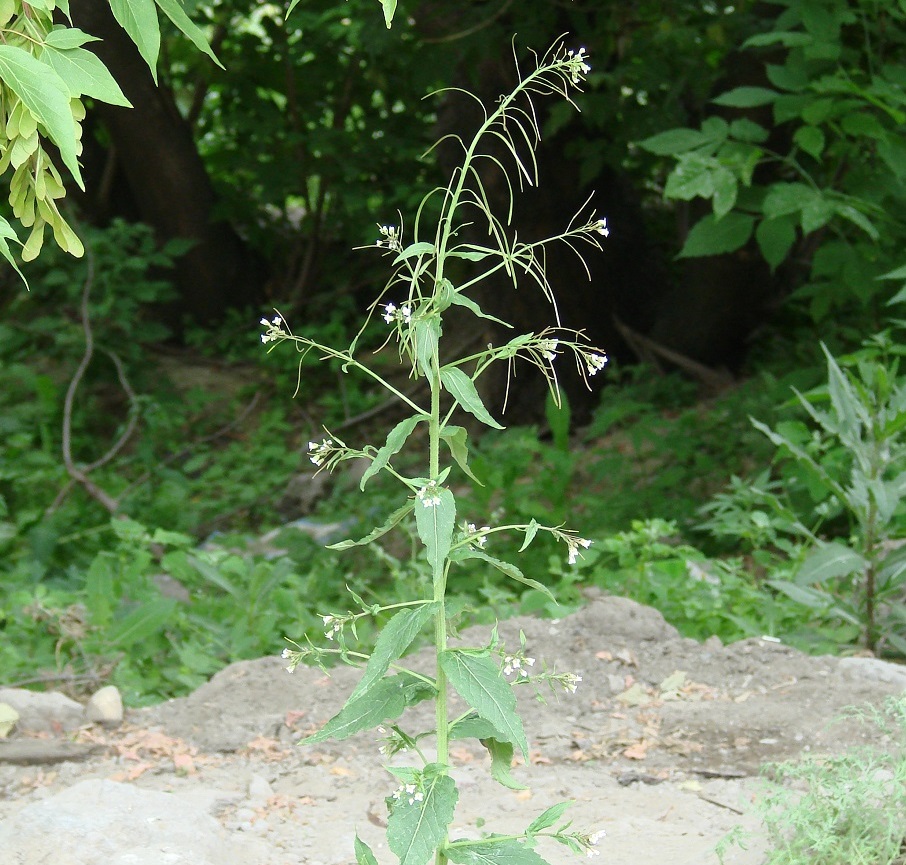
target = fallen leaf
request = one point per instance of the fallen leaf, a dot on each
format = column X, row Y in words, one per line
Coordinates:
column 342, row 771
column 635, row 696
column 604, row 655
column 639, row 751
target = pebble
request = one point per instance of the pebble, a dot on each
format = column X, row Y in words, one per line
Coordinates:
column 105, row 707
column 41, row 711
column 259, row 791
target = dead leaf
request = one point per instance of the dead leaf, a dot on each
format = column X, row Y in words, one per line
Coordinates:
column 604, row 655
column 639, row 751
column 341, row 771
column 635, row 696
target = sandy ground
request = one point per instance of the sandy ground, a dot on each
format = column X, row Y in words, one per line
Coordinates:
column 661, row 747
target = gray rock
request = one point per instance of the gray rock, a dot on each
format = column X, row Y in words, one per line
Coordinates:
column 259, row 791
column 873, row 670
column 105, row 823
column 105, row 707
column 42, row 711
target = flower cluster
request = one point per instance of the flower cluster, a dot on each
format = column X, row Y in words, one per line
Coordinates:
column 569, row 681
column 594, row 362
column 390, row 237
column 573, row 543
column 549, row 349
column 333, row 624
column 601, row 227
column 294, row 658
column 478, row 539
column 274, row 330
column 589, row 843
column 517, row 664
column 429, row 495
column 319, row 452
column 409, row 792
column 577, row 65
column 393, row 313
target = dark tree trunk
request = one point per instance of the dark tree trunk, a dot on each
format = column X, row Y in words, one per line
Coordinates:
column 166, row 179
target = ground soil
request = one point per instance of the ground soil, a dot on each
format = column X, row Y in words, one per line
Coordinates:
column 661, row 745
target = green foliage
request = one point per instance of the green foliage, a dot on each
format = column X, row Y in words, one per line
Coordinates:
column 812, row 166
column 845, row 808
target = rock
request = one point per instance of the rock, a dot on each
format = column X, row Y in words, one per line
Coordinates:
column 8, row 718
column 873, row 670
column 100, row 822
column 105, row 707
column 259, row 791
column 43, row 711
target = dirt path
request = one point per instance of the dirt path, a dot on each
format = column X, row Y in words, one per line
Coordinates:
column 660, row 747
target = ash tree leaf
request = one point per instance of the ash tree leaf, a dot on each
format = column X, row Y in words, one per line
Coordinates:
column 477, row 679
column 384, row 701
column 810, row 139
column 746, row 97
column 414, row 832
column 45, row 94
column 710, row 236
column 462, row 389
column 492, row 852
column 65, row 38
column 174, row 10
column 84, row 74
column 394, row 444
column 389, row 7
column 139, row 19
column 395, row 637
column 7, row 233
column 675, row 141
column 829, row 562
column 435, row 527
column 393, row 520
column 363, row 853
column 775, row 238
column 457, row 440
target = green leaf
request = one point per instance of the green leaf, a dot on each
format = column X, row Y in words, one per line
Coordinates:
column 548, row 818
column 395, row 637
column 139, row 19
column 491, row 852
column 147, row 621
column 415, row 249
column 415, row 831
column 476, row 679
column 64, row 38
column 461, row 387
column 530, row 531
column 394, row 444
column 746, row 97
column 507, row 568
column 457, row 440
column 710, row 236
column 435, row 527
column 787, row 38
column 812, row 598
column 501, row 753
column 676, row 141
column 460, row 299
column 829, row 562
column 775, row 238
column 393, row 520
column 363, row 854
column 382, row 702
column 426, row 334
column 389, row 7
column 173, row 9
column 693, row 177
column 810, row 139
column 45, row 94
column 7, row 232
column 785, row 198
column 725, row 190
column 84, row 75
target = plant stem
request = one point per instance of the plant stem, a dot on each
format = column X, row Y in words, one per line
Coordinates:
column 440, row 590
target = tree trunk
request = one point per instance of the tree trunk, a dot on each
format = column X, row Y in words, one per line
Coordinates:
column 166, row 178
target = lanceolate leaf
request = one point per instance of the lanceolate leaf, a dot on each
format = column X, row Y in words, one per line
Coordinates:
column 395, row 637
column 435, row 527
column 549, row 817
column 65, row 38
column 389, row 7
column 139, row 19
column 84, row 74
column 507, row 568
column 415, row 831
column 394, row 519
column 7, row 233
column 463, row 390
column 491, row 852
column 363, row 854
column 46, row 95
column 395, row 441
column 174, row 11
column 501, row 753
column 477, row 679
column 382, row 702
column 829, row 562
column 457, row 440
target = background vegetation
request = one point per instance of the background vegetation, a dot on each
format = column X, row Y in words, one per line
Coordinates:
column 158, row 518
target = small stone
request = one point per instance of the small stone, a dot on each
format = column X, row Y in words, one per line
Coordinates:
column 259, row 791
column 8, row 718
column 42, row 711
column 105, row 707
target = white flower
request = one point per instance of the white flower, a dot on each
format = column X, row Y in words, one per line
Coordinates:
column 549, row 349
column 573, row 545
column 601, row 227
column 595, row 363
column 406, row 312
column 578, row 68
column 317, row 453
column 481, row 540
column 389, row 312
column 571, row 682
column 428, row 495
column 274, row 329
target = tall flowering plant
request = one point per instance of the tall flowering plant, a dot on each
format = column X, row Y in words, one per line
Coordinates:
column 412, row 305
